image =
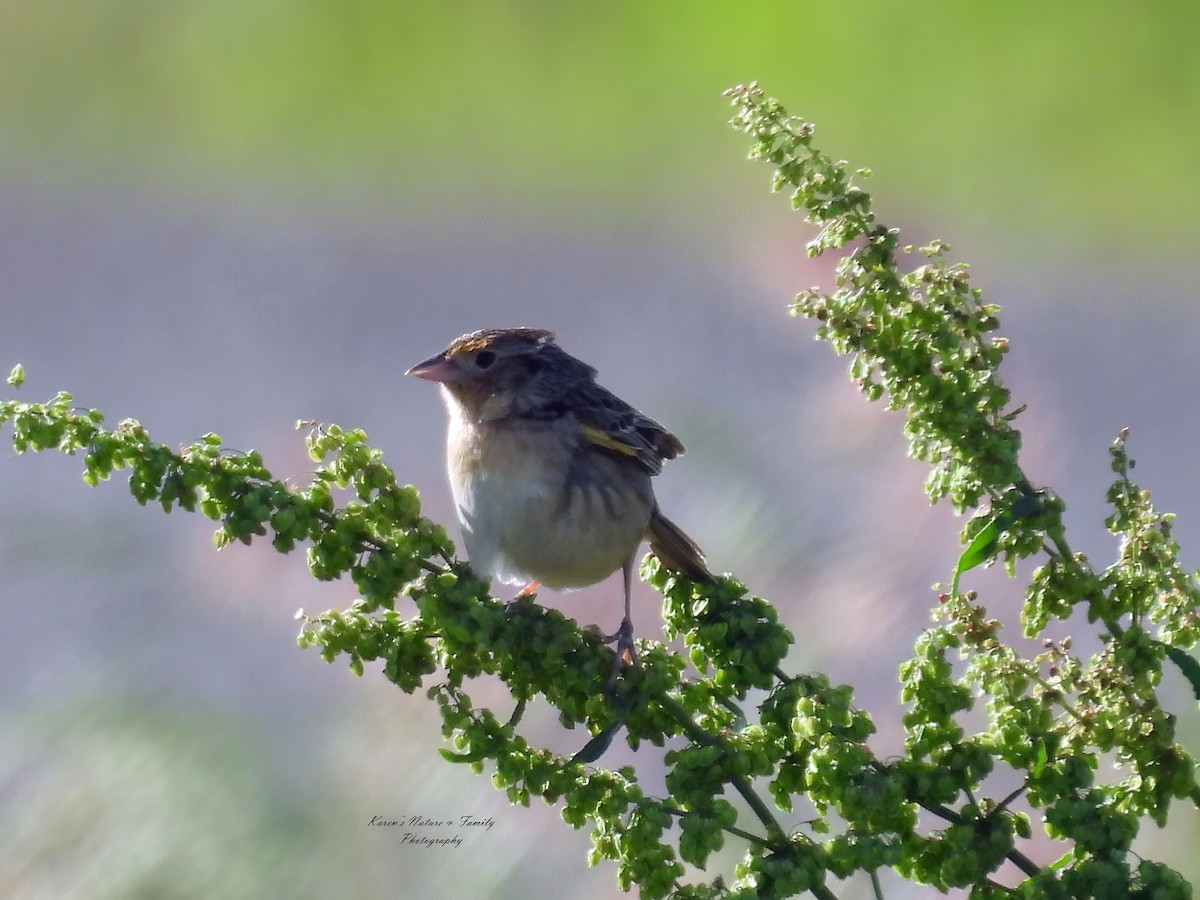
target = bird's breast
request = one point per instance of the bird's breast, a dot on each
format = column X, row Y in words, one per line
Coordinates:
column 536, row 503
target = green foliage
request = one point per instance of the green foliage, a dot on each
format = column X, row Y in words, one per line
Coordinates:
column 923, row 340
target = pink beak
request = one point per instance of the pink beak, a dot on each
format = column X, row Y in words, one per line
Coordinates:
column 436, row 368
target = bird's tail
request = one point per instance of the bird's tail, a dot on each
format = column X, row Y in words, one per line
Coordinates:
column 676, row 550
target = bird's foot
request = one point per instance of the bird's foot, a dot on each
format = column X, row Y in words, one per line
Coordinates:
column 522, row 596
column 625, row 653
column 528, row 591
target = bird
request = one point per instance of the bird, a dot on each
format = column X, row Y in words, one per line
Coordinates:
column 550, row 472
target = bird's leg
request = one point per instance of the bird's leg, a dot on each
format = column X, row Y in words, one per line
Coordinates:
column 528, row 591
column 623, row 635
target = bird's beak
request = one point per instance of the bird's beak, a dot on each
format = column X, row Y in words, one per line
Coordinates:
column 436, row 368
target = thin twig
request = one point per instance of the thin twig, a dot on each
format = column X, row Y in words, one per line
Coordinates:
column 875, row 886
column 1003, row 804
column 732, row 829
column 1015, row 856
column 776, row 835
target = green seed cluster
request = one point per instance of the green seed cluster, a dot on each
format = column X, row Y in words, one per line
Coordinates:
column 737, row 638
column 924, row 340
column 921, row 338
column 1147, row 580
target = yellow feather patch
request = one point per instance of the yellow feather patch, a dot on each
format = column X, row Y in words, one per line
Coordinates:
column 604, row 439
column 460, row 346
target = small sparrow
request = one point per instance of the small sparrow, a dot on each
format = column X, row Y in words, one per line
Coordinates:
column 551, row 472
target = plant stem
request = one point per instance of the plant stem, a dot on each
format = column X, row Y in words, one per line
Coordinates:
column 775, row 833
column 732, row 829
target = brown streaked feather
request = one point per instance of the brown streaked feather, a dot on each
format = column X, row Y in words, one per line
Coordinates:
column 676, row 550
column 609, row 422
column 517, row 381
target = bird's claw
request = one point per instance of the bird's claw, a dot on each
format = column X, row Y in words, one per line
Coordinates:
column 624, row 653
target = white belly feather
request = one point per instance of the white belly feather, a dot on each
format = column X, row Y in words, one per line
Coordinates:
column 519, row 521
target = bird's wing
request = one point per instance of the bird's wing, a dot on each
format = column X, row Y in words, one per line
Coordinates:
column 609, row 423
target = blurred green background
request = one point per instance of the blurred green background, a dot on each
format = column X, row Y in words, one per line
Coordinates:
column 1073, row 116
column 226, row 216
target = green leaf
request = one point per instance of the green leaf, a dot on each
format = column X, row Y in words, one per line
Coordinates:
column 17, row 376
column 472, row 757
column 1039, row 761
column 982, row 546
column 1188, row 665
column 595, row 748
column 1063, row 860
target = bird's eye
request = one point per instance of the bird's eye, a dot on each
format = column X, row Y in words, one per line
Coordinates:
column 485, row 358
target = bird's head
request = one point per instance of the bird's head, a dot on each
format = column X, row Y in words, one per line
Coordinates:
column 491, row 372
